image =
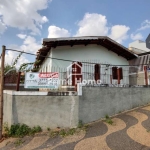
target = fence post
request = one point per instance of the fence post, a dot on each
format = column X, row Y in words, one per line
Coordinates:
column 118, row 73
column 18, row 81
column 1, row 89
column 145, row 71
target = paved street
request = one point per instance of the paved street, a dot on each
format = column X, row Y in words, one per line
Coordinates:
column 129, row 131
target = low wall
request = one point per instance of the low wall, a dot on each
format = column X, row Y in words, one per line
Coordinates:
column 36, row 108
column 14, row 86
column 97, row 102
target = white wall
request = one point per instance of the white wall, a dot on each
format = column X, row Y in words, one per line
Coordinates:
column 90, row 53
column 47, row 63
column 141, row 45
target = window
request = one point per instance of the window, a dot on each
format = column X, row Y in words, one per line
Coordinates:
column 117, row 72
column 97, row 72
column 114, row 73
column 120, row 73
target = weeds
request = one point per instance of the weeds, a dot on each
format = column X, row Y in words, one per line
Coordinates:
column 80, row 124
column 48, row 129
column 108, row 120
column 20, row 130
column 54, row 134
column 18, row 142
column 67, row 132
column 63, row 133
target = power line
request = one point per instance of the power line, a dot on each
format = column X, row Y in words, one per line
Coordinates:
column 70, row 60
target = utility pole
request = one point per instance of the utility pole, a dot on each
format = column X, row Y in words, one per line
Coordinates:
column 1, row 89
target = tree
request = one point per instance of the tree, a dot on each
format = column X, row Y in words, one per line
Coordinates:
column 13, row 66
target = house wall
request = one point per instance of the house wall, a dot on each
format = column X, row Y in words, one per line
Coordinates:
column 86, row 53
column 47, row 63
column 90, row 53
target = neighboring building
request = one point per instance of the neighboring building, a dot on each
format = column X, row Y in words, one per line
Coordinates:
column 97, row 50
column 139, row 75
column 138, row 47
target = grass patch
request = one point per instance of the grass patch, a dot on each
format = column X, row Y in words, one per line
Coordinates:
column 67, row 132
column 18, row 142
column 20, row 130
column 48, row 129
column 108, row 120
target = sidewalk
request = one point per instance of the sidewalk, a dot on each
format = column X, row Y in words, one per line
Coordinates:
column 129, row 131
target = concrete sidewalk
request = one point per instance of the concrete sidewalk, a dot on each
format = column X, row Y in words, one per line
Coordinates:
column 129, row 131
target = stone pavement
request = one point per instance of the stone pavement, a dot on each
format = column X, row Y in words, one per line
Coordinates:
column 129, row 131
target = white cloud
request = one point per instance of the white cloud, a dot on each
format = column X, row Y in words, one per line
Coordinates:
column 93, row 25
column 44, row 19
column 2, row 27
column 144, row 25
column 137, row 36
column 97, row 25
column 22, row 36
column 23, row 14
column 119, row 33
column 11, row 56
column 54, row 32
column 29, row 45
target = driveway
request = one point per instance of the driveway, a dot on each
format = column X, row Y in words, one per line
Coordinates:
column 129, row 131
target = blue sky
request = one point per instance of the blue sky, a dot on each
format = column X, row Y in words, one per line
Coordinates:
column 23, row 23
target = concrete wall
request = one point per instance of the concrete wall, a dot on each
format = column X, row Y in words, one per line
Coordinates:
column 97, row 102
column 21, row 87
column 35, row 108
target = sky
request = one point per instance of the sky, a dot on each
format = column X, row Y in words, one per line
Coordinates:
column 24, row 23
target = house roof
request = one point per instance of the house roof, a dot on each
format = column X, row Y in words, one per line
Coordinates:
column 104, row 41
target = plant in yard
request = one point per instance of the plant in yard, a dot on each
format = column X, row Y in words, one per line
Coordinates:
column 53, row 133
column 35, row 129
column 108, row 120
column 8, row 67
column 71, row 131
column 62, row 133
column 80, row 124
column 18, row 142
column 48, row 129
column 20, row 130
column 67, row 132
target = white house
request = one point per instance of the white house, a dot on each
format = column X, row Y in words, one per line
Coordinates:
column 97, row 54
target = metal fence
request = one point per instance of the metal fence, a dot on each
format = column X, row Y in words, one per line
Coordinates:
column 93, row 74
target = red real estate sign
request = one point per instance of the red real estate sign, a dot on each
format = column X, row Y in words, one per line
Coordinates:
column 49, row 75
column 42, row 80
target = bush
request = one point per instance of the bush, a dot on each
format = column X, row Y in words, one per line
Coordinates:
column 80, row 124
column 20, row 130
column 108, row 120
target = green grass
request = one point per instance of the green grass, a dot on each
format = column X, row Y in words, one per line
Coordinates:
column 108, row 120
column 20, row 130
column 67, row 132
column 18, row 142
